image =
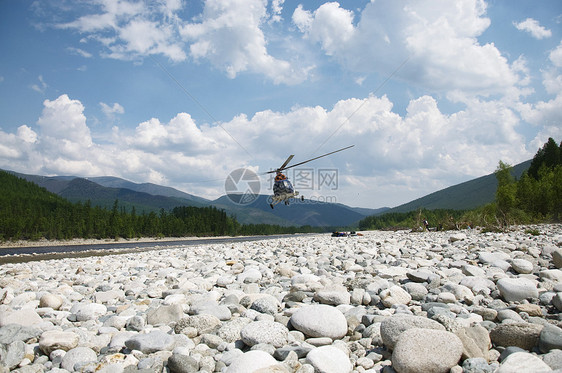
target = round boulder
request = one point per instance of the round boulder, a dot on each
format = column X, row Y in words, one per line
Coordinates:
column 426, row 350
column 320, row 321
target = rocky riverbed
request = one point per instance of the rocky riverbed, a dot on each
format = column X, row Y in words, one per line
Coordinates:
column 462, row 301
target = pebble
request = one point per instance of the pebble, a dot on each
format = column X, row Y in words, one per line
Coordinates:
column 382, row 302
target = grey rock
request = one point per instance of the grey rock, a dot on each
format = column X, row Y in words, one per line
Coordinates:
column 52, row 340
column 523, row 362
column 329, row 359
column 523, row 335
column 268, row 332
column 392, row 327
column 204, row 323
column 517, row 289
column 477, row 365
column 550, row 338
column 78, row 355
column 12, row 355
column 15, row 332
column 256, row 359
column 426, row 350
column 553, row 359
column 135, row 323
column 320, row 321
column 151, row 342
column 182, row 364
column 165, row 314
column 230, row 330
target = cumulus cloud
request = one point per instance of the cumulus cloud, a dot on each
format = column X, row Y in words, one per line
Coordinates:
column 403, row 155
column 110, row 111
column 533, row 27
column 130, row 30
column 438, row 38
column 229, row 35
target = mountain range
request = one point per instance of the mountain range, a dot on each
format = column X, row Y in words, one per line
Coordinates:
column 147, row 197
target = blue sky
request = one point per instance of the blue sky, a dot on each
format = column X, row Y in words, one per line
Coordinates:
column 180, row 93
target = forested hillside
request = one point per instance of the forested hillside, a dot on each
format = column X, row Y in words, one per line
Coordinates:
column 536, row 197
column 28, row 211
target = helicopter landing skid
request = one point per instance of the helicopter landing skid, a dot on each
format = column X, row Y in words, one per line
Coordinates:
column 283, row 197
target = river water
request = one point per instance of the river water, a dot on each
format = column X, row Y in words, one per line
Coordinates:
column 34, row 253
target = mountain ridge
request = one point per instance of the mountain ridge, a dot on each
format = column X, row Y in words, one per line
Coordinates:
column 146, row 197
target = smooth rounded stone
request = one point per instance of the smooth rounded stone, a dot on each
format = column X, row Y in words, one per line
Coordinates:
column 489, row 314
column 221, row 312
column 164, row 314
column 554, row 275
column 251, row 361
column 417, row 291
column 230, row 330
column 58, row 340
column 87, row 311
column 550, row 338
column 508, row 314
column 457, row 237
column 49, row 300
column 522, row 266
column 249, row 275
column 24, row 317
column 553, row 359
column 269, row 305
column 15, row 332
column 426, row 350
column 118, row 339
column 333, row 295
column 110, row 296
column 268, row 332
column 151, row 342
column 446, row 297
column 472, row 270
column 508, row 351
column 517, row 289
column 523, row 362
column 294, row 296
column 329, row 359
column 394, row 295
column 557, row 257
column 523, row 335
column 478, row 285
column 392, row 327
column 422, row 276
column 320, row 321
column 78, row 355
column 204, row 323
column 178, row 363
column 486, row 257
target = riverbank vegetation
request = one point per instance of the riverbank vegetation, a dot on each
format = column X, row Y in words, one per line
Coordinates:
column 536, row 197
column 29, row 212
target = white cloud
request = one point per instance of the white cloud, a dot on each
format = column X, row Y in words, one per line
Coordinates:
column 438, row 38
column 133, row 29
column 229, row 36
column 41, row 87
column 396, row 158
column 79, row 52
column 110, row 111
column 533, row 27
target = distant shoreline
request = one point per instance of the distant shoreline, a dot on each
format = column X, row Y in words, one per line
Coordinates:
column 93, row 241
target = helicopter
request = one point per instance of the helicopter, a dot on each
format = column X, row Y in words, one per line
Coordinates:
column 283, row 190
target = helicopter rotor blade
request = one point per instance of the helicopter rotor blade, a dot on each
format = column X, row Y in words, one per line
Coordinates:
column 286, row 162
column 312, row 159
